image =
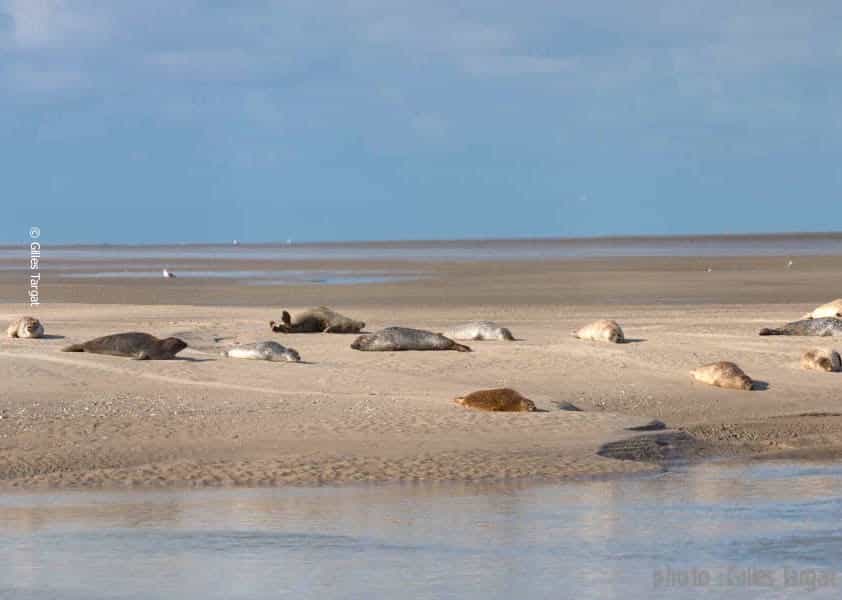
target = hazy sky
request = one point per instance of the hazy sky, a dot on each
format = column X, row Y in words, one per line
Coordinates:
column 168, row 120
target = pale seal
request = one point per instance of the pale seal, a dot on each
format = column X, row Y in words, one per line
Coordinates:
column 603, row 330
column 263, row 351
column 821, row 359
column 723, row 374
column 479, row 330
column 831, row 309
column 25, row 327
column 141, row 346
column 317, row 320
column 822, row 327
column 497, row 400
column 404, row 338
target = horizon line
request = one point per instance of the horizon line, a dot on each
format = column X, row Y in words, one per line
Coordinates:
column 360, row 242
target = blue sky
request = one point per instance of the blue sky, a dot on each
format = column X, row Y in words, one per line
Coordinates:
column 162, row 121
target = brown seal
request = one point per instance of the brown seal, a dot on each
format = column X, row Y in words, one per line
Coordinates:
column 821, row 359
column 497, row 400
column 141, row 346
column 723, row 374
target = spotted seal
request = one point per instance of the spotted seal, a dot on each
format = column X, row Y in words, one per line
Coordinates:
column 603, row 330
column 25, row 327
column 479, row 330
column 263, row 351
column 821, row 327
column 317, row 320
column 404, row 338
column 723, row 374
column 140, row 346
column 821, row 359
column 497, row 400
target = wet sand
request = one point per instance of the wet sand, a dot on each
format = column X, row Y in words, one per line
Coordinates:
column 346, row 416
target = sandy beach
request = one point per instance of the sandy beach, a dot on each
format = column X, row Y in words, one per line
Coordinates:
column 345, row 416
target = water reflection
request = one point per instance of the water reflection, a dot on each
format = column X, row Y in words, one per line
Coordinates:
column 590, row 539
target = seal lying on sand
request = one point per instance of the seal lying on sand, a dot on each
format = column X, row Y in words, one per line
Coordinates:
column 831, row 309
column 723, row 374
column 404, row 338
column 603, row 330
column 141, row 346
column 317, row 320
column 822, row 327
column 263, row 351
column 821, row 360
column 25, row 327
column 479, row 330
column 498, row 400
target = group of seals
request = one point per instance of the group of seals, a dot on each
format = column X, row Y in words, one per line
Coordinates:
column 25, row 327
column 140, row 346
column 317, row 320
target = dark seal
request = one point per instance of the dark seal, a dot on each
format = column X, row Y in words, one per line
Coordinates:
column 317, row 320
column 140, row 346
column 403, row 338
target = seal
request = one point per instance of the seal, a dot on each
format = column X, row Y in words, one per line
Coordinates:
column 831, row 309
column 603, row 330
column 821, row 327
column 479, row 330
column 317, row 320
column 263, row 351
column 25, row 327
column 821, row 359
column 140, row 346
column 404, row 338
column 723, row 374
column 497, row 400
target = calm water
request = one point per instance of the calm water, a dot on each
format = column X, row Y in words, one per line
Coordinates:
column 759, row 245
column 759, row 531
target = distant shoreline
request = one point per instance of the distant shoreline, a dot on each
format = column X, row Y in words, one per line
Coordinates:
column 596, row 239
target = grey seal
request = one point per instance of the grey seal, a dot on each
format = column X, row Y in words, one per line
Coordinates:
column 497, row 400
column 479, row 330
column 264, row 351
column 404, row 338
column 25, row 327
column 141, row 346
column 317, row 320
column 821, row 327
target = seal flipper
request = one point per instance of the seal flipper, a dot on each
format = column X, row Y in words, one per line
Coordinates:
column 287, row 320
column 461, row 348
column 767, row 331
column 74, row 348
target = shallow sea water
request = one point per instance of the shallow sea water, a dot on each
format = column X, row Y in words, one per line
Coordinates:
column 758, row 530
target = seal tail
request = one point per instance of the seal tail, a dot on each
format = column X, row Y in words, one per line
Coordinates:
column 74, row 348
column 460, row 400
column 767, row 331
column 461, row 348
